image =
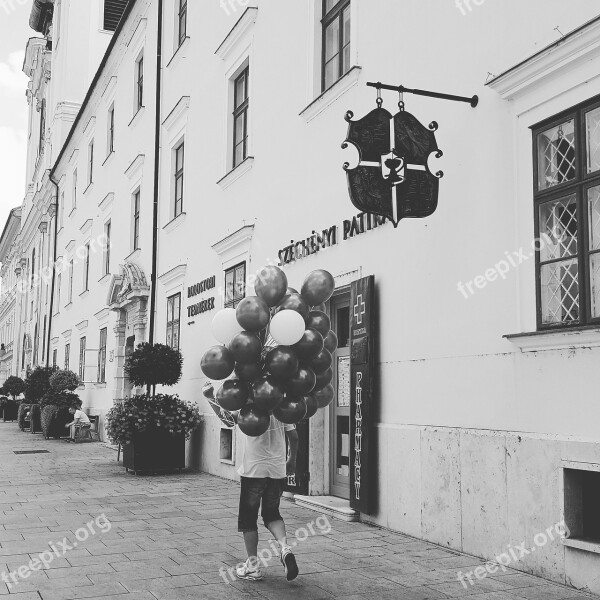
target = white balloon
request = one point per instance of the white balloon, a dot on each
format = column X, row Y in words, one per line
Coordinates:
column 287, row 327
column 225, row 325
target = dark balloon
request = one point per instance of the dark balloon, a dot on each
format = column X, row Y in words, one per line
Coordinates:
column 282, row 363
column 331, row 342
column 321, row 362
column 267, row 394
column 253, row 313
column 217, row 363
column 291, row 411
column 246, row 347
column 311, row 407
column 302, row 383
column 248, row 372
column 310, row 345
column 233, row 395
column 319, row 321
column 318, row 287
column 271, row 285
column 324, row 397
column 323, row 380
column 253, row 421
column 295, row 302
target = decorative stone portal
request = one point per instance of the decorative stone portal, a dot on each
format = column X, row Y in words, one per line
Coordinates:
column 128, row 297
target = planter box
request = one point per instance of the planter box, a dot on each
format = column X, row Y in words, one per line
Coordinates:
column 10, row 412
column 155, row 451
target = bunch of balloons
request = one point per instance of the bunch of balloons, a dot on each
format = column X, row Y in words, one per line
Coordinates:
column 278, row 346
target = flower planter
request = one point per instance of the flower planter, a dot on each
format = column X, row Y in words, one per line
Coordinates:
column 10, row 411
column 155, row 450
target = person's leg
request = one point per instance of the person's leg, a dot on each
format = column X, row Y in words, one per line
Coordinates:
column 276, row 525
column 250, row 495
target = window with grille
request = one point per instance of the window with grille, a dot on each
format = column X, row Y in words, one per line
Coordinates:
column 235, row 285
column 567, row 217
column 182, row 21
column 241, row 105
column 336, row 41
column 82, row 344
column 102, row 356
column 179, row 167
column 173, row 320
column 113, row 11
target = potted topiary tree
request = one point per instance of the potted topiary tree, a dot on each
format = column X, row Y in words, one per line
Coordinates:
column 56, row 403
column 13, row 387
column 37, row 385
column 151, row 427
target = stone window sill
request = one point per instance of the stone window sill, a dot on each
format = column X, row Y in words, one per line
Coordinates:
column 179, row 52
column 175, row 223
column 137, row 116
column 582, row 337
column 330, row 95
column 135, row 254
column 236, row 173
column 112, row 153
column 582, row 544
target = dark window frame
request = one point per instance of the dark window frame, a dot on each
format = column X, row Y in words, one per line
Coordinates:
column 238, row 295
column 67, row 356
column 179, row 177
column 182, row 21
column 102, row 355
column 86, row 269
column 578, row 186
column 139, row 82
column 82, row 350
column 173, row 323
column 111, row 130
column 107, row 235
column 329, row 17
column 241, row 111
column 91, row 162
column 137, row 196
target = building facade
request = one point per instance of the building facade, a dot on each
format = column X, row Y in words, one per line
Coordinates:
column 482, row 426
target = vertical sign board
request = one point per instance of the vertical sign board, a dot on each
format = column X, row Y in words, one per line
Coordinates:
column 298, row 483
column 362, row 354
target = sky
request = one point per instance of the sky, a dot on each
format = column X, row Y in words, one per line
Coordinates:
column 14, row 33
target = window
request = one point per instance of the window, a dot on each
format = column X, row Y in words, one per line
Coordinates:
column 23, row 353
column 567, row 218
column 74, row 199
column 71, row 272
column 67, row 356
column 136, row 220
column 91, row 163
column 106, row 265
column 581, row 499
column 179, row 166
column 139, row 83
column 102, row 356
column 61, row 209
column 182, row 21
column 86, row 269
column 336, row 41
column 110, row 145
column 58, row 286
column 32, row 267
column 113, row 11
column 54, row 358
column 44, row 338
column 241, row 103
column 35, row 344
column 235, row 285
column 42, row 127
column 82, row 343
column 173, row 318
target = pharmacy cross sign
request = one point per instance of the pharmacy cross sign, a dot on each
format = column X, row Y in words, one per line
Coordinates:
column 360, row 309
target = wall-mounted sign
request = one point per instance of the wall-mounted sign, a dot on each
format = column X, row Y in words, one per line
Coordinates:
column 204, row 305
column 361, row 223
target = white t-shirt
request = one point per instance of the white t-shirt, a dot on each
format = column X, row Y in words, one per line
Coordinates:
column 83, row 418
column 265, row 455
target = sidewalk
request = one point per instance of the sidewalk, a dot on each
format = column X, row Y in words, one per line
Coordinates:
column 174, row 537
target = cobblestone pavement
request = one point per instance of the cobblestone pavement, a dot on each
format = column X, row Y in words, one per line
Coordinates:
column 174, row 537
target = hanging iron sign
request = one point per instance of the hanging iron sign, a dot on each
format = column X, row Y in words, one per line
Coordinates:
column 393, row 178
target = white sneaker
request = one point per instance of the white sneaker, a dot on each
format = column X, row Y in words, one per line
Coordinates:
column 249, row 572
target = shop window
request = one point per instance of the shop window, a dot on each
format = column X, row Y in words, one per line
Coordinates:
column 567, row 218
column 582, row 504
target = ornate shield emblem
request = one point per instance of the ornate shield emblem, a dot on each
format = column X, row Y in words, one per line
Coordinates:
column 392, row 178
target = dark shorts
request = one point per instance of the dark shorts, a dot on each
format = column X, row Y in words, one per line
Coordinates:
column 254, row 490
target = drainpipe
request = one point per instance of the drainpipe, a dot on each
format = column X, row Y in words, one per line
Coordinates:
column 156, row 173
column 49, row 332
